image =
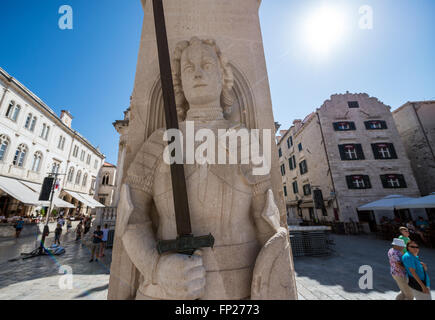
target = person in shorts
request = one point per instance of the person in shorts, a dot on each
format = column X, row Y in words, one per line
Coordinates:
column 57, row 234
column 19, row 227
column 104, row 240
column 96, row 243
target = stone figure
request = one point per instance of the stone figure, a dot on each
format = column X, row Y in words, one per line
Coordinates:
column 251, row 256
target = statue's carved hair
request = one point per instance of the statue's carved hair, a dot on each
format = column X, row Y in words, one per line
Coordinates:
column 227, row 98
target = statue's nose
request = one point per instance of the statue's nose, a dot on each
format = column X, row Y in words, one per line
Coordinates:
column 198, row 73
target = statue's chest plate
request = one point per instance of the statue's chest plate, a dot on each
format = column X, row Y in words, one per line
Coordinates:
column 219, row 201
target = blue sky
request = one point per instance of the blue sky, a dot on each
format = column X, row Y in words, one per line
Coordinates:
column 90, row 70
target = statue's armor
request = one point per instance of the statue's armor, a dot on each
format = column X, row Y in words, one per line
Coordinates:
column 220, row 198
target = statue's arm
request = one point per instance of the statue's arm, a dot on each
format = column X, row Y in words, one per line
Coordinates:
column 139, row 239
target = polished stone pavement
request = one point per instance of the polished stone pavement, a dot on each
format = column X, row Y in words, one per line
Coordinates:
column 333, row 277
column 42, row 278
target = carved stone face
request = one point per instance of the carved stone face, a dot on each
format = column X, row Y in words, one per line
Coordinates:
column 201, row 75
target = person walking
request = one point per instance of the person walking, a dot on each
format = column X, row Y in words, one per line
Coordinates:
column 404, row 235
column 96, row 242
column 104, row 240
column 398, row 271
column 57, row 234
column 68, row 224
column 79, row 230
column 87, row 225
column 19, row 227
column 417, row 272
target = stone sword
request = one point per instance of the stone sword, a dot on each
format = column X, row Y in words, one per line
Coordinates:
column 185, row 243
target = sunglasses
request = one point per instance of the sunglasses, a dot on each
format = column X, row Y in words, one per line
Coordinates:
column 415, row 247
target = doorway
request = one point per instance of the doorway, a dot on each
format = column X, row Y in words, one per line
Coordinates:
column 368, row 217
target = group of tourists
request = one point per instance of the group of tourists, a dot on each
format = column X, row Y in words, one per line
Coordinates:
column 409, row 272
column 99, row 242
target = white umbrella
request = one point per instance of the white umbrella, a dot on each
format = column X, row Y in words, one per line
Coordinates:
column 387, row 203
column 423, row 202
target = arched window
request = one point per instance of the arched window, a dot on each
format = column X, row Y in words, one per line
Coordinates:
column 13, row 111
column 28, row 121
column 36, row 164
column 32, row 126
column 85, row 180
column 20, row 155
column 105, row 181
column 4, row 143
column 70, row 174
column 78, row 177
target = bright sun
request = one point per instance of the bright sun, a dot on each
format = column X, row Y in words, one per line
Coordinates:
column 324, row 28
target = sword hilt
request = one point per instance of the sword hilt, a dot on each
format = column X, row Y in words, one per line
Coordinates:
column 185, row 244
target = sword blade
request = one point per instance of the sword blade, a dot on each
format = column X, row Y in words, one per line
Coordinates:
column 179, row 190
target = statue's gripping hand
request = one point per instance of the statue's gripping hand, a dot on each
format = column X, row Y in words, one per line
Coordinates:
column 181, row 276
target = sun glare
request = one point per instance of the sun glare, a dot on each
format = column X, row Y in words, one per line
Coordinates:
column 324, row 28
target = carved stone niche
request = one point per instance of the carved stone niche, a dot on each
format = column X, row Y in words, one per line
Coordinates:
column 243, row 109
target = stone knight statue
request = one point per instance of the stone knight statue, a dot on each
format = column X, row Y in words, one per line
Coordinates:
column 251, row 255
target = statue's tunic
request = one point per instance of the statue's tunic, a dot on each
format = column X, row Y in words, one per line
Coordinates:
column 220, row 198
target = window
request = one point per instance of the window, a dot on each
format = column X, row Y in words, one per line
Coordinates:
column 4, row 144
column 105, row 181
column 93, row 183
column 344, row 126
column 300, row 146
column 75, row 151
column 303, row 167
column 280, row 152
column 358, row 182
column 307, row 189
column 295, row 187
column 45, row 131
column 393, row 181
column 28, row 121
column 85, row 180
column 70, row 174
column 285, row 191
column 78, row 177
column 13, row 111
column 96, row 164
column 290, row 142
column 55, row 167
column 33, row 125
column 36, row 163
column 353, row 104
column 82, row 155
column 102, row 200
column 384, row 151
column 351, row 152
column 88, row 159
column 376, row 125
column 292, row 162
column 283, row 169
column 20, row 155
column 61, row 143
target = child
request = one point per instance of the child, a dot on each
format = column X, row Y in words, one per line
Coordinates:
column 57, row 234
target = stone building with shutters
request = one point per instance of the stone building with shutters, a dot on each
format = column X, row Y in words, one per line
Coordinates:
column 415, row 122
column 350, row 152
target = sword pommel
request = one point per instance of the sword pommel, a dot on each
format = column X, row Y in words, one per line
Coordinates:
column 186, row 244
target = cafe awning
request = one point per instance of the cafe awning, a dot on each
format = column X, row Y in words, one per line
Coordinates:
column 387, row 203
column 19, row 191
column 57, row 202
column 86, row 199
column 419, row 203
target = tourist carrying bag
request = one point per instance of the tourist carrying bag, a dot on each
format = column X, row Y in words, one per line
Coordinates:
column 414, row 284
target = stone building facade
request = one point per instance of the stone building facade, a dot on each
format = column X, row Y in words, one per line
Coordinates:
column 35, row 142
column 415, row 122
column 350, row 149
column 107, row 184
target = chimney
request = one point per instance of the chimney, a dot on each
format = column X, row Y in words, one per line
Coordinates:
column 66, row 118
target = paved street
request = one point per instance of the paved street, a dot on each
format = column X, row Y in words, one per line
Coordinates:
column 336, row 277
column 38, row 278
column 332, row 278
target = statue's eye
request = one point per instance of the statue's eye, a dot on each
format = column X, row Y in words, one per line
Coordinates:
column 188, row 68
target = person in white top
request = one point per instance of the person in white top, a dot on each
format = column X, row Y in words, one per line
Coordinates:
column 104, row 240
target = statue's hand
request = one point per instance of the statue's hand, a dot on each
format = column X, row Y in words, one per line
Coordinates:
column 182, row 276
